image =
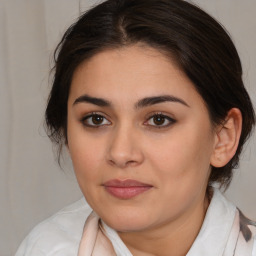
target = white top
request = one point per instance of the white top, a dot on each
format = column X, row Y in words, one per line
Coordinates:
column 225, row 232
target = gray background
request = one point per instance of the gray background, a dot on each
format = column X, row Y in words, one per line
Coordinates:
column 32, row 187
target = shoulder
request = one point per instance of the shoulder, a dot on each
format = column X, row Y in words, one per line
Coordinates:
column 247, row 226
column 58, row 235
column 243, row 230
column 247, row 232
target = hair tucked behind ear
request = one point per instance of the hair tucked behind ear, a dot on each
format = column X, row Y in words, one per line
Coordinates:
column 199, row 45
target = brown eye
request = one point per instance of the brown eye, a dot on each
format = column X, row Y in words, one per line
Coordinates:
column 95, row 120
column 160, row 121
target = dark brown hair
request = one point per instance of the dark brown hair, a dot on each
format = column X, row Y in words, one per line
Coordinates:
column 198, row 43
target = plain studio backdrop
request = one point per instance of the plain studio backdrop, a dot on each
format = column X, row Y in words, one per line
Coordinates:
column 32, row 186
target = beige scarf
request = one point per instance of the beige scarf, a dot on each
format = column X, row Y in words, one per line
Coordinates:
column 94, row 241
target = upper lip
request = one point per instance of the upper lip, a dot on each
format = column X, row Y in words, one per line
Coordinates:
column 125, row 183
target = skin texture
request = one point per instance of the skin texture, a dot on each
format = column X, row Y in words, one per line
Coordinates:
column 173, row 157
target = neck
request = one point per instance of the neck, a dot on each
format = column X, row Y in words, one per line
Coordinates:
column 172, row 238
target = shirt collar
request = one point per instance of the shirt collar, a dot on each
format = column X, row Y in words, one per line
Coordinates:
column 216, row 228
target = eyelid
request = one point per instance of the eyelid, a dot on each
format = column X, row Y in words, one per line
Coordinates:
column 91, row 114
column 167, row 116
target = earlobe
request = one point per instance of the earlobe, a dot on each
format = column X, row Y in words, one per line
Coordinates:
column 227, row 138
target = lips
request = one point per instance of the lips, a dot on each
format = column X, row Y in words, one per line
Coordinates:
column 126, row 189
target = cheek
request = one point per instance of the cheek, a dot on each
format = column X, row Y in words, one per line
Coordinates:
column 86, row 153
column 181, row 169
column 184, row 156
column 87, row 158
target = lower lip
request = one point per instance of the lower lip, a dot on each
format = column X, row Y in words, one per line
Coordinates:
column 127, row 192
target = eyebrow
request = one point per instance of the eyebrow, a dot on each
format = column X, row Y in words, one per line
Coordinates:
column 145, row 102
column 159, row 99
column 96, row 101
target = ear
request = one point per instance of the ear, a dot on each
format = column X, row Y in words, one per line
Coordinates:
column 227, row 138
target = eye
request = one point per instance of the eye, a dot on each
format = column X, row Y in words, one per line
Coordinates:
column 95, row 120
column 160, row 121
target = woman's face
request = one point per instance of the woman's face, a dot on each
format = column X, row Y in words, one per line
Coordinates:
column 140, row 138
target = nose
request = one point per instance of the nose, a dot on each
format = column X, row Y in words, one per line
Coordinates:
column 125, row 148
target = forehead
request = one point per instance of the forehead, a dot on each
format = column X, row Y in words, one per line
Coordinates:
column 130, row 73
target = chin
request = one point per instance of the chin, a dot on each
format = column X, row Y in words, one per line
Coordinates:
column 127, row 221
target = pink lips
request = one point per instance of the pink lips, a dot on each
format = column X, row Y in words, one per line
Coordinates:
column 126, row 189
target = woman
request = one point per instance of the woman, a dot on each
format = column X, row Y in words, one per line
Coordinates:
column 149, row 100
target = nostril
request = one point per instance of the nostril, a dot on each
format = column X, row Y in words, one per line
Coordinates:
column 111, row 162
column 131, row 163
column 123, row 164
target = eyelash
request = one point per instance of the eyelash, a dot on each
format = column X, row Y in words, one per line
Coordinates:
column 85, row 119
column 166, row 118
